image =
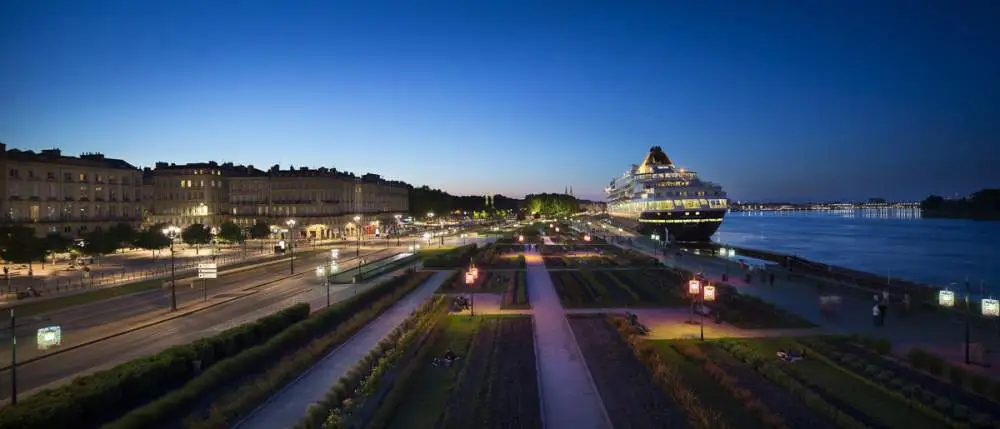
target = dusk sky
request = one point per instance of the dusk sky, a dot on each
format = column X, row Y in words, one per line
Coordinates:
column 796, row 100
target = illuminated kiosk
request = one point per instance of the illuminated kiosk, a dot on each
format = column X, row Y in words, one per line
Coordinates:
column 666, row 200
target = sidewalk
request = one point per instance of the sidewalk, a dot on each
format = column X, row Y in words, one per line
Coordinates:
column 288, row 406
column 569, row 397
column 936, row 332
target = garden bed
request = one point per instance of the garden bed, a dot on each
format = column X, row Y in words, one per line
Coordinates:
column 515, row 296
column 488, row 282
column 858, row 396
column 631, row 397
column 775, row 397
column 612, row 289
column 492, row 385
column 949, row 399
column 500, row 256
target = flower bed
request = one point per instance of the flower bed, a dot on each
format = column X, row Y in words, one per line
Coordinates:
column 712, row 394
column 857, row 394
column 516, row 295
column 947, row 398
column 498, row 388
column 936, row 365
column 346, row 399
column 636, row 394
column 731, row 385
column 494, row 256
column 488, row 282
column 799, row 406
column 92, row 400
column 230, row 390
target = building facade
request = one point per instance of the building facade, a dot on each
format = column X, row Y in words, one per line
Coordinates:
column 323, row 202
column 72, row 196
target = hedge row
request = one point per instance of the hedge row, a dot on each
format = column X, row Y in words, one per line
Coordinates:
column 455, row 258
column 233, row 388
column 348, row 395
column 95, row 399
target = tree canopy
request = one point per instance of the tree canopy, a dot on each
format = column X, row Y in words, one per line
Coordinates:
column 196, row 234
column 260, row 229
column 551, row 204
column 151, row 238
column 98, row 243
column 984, row 204
column 19, row 244
column 231, row 232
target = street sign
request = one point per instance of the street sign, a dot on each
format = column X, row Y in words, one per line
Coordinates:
column 207, row 271
column 48, row 337
column 946, row 298
column 991, row 307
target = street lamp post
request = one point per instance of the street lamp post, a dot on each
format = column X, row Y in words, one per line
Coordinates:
column 291, row 245
column 171, row 232
column 398, row 216
column 357, row 229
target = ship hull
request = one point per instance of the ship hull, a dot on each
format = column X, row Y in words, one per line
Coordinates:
column 680, row 226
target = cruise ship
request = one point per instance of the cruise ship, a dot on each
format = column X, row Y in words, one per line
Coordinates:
column 667, row 200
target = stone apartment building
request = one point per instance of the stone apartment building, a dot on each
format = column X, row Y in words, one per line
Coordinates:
column 69, row 195
column 322, row 201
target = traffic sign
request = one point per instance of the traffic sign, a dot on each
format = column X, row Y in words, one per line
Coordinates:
column 207, row 271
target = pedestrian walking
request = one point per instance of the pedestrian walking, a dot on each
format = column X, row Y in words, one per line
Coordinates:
column 906, row 302
column 883, row 305
column 876, row 316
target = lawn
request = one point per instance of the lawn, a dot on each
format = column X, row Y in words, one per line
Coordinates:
column 515, row 296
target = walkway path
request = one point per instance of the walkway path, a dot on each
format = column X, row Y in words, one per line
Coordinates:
column 569, row 397
column 936, row 332
column 284, row 409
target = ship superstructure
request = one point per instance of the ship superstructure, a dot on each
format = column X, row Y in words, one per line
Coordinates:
column 668, row 200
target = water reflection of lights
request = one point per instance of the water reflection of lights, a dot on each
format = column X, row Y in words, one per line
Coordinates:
column 882, row 213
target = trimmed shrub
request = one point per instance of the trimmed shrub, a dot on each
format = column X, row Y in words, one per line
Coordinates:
column 92, row 400
column 979, row 383
column 957, row 374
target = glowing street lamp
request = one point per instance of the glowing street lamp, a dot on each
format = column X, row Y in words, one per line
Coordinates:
column 172, row 232
column 694, row 289
column 586, row 237
column 291, row 244
column 520, row 238
column 398, row 229
column 470, row 280
column 357, row 229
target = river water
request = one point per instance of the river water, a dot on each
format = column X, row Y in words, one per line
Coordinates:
column 895, row 243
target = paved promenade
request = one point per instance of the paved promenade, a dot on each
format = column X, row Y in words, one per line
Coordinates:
column 569, row 397
column 940, row 333
column 285, row 409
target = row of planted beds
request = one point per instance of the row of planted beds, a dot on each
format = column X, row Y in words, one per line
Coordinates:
column 401, row 384
column 665, row 287
column 842, row 382
column 211, row 382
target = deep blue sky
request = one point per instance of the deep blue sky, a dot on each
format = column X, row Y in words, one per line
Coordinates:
column 791, row 100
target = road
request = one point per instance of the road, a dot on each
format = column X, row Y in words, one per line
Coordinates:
column 234, row 304
column 231, row 309
column 92, row 320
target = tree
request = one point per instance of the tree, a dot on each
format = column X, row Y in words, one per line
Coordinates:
column 260, row 230
column 151, row 239
column 121, row 233
column 231, row 232
column 99, row 243
column 53, row 243
column 195, row 235
column 19, row 244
